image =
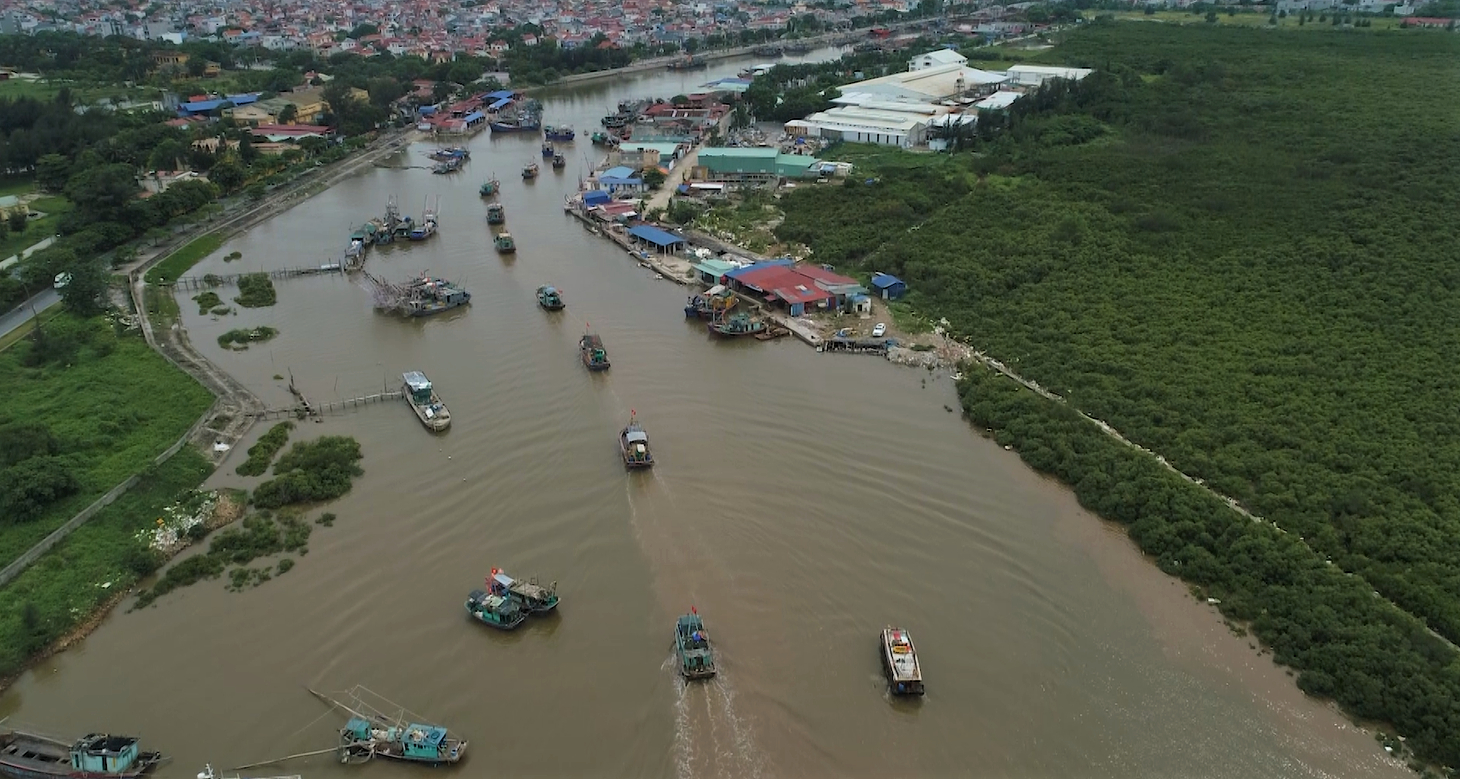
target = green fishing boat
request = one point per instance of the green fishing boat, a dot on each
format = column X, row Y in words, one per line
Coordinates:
column 490, row 187
column 496, row 214
column 549, row 298
column 692, row 645
column 499, row 611
column 505, row 244
column 531, row 596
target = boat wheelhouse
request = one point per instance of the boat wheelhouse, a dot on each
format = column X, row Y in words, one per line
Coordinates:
column 531, row 596
column 549, row 298
column 94, row 756
column 692, row 647
column 634, row 444
column 422, row 396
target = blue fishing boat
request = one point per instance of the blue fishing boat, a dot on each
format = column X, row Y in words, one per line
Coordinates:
column 547, row 151
column 499, row 611
column 563, row 133
column 370, row 733
column 449, row 153
column 94, row 756
column 692, row 646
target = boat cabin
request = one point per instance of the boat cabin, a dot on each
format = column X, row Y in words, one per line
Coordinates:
column 423, row 742
column 419, row 386
column 99, row 753
column 358, row 729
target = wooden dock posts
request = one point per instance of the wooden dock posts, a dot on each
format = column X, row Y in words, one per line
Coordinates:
column 230, row 279
column 304, row 408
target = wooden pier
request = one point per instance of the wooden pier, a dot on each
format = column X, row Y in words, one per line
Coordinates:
column 231, row 279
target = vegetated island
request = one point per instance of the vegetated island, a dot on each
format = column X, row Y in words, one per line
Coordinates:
column 255, row 290
column 1226, row 243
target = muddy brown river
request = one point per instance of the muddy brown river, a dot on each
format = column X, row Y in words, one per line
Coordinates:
column 801, row 502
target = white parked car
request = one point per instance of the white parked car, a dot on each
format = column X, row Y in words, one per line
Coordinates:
column 62, row 279
column 879, row 330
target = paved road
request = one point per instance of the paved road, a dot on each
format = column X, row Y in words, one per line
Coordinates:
column 21, row 313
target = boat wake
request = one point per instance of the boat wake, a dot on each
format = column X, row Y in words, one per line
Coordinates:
column 711, row 739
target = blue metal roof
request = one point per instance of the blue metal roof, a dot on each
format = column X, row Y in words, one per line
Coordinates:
column 884, row 280
column 619, row 172
column 202, row 106
column 595, row 196
column 498, row 105
column 474, row 116
column 244, row 99
column 427, row 110
column 501, row 94
column 654, row 235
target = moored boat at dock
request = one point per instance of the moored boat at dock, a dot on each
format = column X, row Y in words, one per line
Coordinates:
column 736, row 326
column 450, row 152
column 499, row 611
column 549, row 298
column 496, row 214
column 797, row 49
column 710, row 304
column 604, row 139
column 900, row 662
column 531, row 596
column 595, row 357
column 370, row 733
column 504, row 243
column 422, row 396
column 449, row 165
column 633, row 443
column 692, row 647
column 93, row 756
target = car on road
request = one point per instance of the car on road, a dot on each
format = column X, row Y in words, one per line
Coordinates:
column 62, row 279
column 879, row 330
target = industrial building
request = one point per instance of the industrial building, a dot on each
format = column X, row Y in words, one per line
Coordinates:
column 1034, row 75
column 753, row 165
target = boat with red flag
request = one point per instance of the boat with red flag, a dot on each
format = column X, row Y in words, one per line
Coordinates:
column 692, row 645
column 900, row 661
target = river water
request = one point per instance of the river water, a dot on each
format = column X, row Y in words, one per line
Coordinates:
column 801, row 503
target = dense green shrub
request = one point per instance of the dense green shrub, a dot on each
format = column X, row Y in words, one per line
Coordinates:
column 262, row 453
column 255, row 290
column 311, row 471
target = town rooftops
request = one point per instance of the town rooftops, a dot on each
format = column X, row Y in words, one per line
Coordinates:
column 656, row 236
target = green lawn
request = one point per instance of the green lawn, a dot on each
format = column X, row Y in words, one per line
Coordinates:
column 1248, row 20
column 98, row 561
column 17, row 87
column 17, row 185
column 178, row 263
column 113, row 403
column 36, row 230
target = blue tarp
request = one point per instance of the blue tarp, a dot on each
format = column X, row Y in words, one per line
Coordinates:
column 594, row 197
column 500, row 104
column 661, row 238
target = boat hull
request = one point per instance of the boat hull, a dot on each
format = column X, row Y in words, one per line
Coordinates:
column 434, row 310
column 498, row 127
column 511, row 624
column 722, row 333
column 903, row 685
column 550, row 306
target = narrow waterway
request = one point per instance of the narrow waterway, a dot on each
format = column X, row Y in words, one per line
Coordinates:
column 801, row 503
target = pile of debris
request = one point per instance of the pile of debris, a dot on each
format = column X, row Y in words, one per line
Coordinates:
column 194, row 509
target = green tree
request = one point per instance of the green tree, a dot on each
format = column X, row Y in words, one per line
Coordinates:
column 52, row 171
column 102, row 193
column 227, row 174
column 166, row 155
column 653, row 178
column 85, row 293
column 288, row 113
column 16, row 220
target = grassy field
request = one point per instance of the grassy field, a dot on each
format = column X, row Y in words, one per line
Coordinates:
column 16, row 185
column 18, row 334
column 36, row 230
column 96, row 563
column 178, row 263
column 18, row 87
column 114, row 404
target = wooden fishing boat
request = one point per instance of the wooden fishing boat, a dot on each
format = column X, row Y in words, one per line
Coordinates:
column 499, row 611
column 633, row 443
column 710, row 304
column 736, row 326
column 496, row 214
column 93, row 756
column 559, row 161
column 529, row 171
column 595, row 357
column 490, row 187
column 504, row 243
column 549, row 298
column 692, row 646
column 531, row 596
column 425, row 402
column 371, row 733
column 900, row 661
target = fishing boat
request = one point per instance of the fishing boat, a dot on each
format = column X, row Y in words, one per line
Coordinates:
column 450, row 152
column 692, row 646
column 604, row 139
column 710, row 304
column 93, row 756
column 633, row 443
column 547, row 150
column 371, row 733
column 504, row 243
column 767, row 51
column 490, row 187
column 208, row 773
column 425, row 402
column 526, row 118
column 559, row 133
column 559, row 161
column 735, row 326
column 529, row 171
column 549, row 298
column 531, row 596
column 798, row 48
column 427, row 226
column 590, row 348
column 500, row 611
column 451, row 165
column 428, row 296
column 688, row 63
column 496, row 214
column 900, row 661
